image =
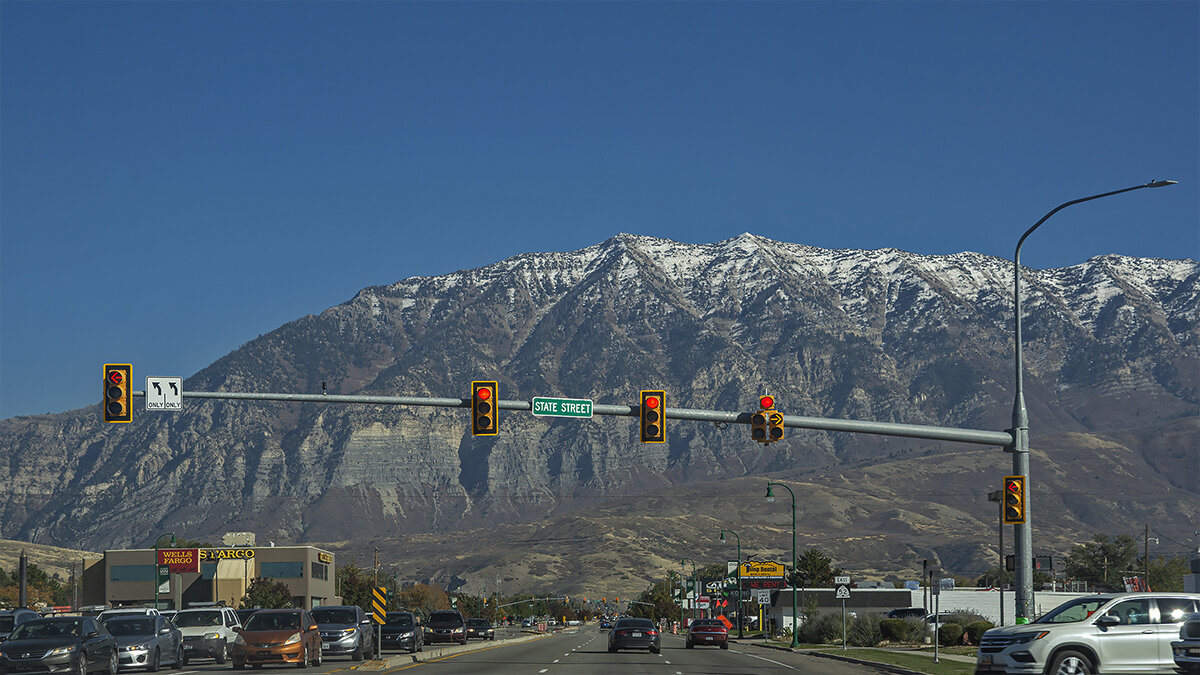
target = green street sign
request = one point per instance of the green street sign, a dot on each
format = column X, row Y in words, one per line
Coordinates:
column 562, row 407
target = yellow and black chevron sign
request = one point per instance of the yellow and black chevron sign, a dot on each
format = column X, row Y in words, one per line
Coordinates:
column 379, row 604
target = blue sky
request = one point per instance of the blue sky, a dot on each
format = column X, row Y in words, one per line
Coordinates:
column 207, row 171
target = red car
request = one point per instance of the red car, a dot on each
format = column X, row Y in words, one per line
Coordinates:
column 708, row 632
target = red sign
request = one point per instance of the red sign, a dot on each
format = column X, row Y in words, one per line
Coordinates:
column 761, row 583
column 180, row 560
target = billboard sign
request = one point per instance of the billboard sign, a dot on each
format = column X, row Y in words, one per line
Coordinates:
column 762, row 570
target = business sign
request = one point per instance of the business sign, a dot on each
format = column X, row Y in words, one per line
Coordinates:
column 751, row 584
column 760, row 570
column 324, row 557
column 226, row 553
column 179, row 560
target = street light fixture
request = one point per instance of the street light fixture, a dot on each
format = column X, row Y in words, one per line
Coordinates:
column 1023, row 532
column 771, row 499
column 172, row 535
column 739, row 577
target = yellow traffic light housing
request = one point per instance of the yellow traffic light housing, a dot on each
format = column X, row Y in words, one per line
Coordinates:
column 774, row 426
column 485, row 402
column 653, row 416
column 766, row 425
column 1015, row 500
column 118, row 392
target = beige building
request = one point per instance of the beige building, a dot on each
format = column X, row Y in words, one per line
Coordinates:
column 126, row 577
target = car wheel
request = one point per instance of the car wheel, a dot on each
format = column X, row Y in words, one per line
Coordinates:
column 320, row 657
column 357, row 655
column 256, row 666
column 654, row 650
column 223, row 652
column 113, row 663
column 155, row 661
column 689, row 644
column 302, row 662
column 1072, row 663
column 238, row 665
column 81, row 665
column 724, row 645
column 612, row 649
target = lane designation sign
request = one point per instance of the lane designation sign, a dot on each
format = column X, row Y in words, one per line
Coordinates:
column 164, row 393
column 562, row 407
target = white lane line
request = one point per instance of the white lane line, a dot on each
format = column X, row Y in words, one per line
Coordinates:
column 755, row 656
column 542, row 670
column 555, row 661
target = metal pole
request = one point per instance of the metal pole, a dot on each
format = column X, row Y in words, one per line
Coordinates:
column 998, row 497
column 795, row 642
column 739, row 577
column 1023, row 532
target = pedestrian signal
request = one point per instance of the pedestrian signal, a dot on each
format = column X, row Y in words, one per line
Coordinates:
column 484, row 413
column 118, row 392
column 653, row 416
column 1015, row 500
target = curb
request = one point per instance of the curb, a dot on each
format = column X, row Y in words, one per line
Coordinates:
column 887, row 667
column 437, row 653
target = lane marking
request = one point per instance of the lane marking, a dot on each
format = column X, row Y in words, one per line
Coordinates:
column 542, row 670
column 755, row 656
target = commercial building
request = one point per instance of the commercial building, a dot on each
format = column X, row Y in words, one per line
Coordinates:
column 222, row 574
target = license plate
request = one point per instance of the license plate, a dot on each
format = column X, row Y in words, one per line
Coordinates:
column 188, row 648
column 985, row 659
column 636, row 634
column 326, row 645
column 709, row 638
column 264, row 652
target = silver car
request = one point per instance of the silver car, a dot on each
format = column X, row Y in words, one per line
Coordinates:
column 1108, row 633
column 147, row 641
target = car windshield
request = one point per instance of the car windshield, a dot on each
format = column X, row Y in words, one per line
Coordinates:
column 402, row 620
column 477, row 622
column 36, row 630
column 1073, row 610
column 130, row 626
column 191, row 619
column 436, row 619
column 273, row 621
column 333, row 615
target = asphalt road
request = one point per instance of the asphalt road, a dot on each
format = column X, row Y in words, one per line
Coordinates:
column 574, row 651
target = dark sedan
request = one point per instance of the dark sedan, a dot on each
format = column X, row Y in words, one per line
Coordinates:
column 76, row 645
column 632, row 633
column 401, row 631
column 480, row 628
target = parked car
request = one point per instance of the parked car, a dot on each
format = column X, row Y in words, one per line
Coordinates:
column 480, row 628
column 147, row 641
column 445, row 625
column 287, row 636
column 1186, row 652
column 77, row 645
column 1108, row 633
column 401, row 630
column 907, row 613
column 11, row 618
column 208, row 632
column 631, row 633
column 345, row 630
column 711, row 632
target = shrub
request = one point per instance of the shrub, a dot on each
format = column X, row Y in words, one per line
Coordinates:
column 896, row 630
column 820, row 628
column 976, row 629
column 864, row 631
column 950, row 634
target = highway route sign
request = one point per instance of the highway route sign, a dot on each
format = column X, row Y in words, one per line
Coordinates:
column 843, row 593
column 164, row 393
column 562, row 407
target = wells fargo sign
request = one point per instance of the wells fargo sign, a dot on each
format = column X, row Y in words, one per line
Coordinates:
column 179, row 560
column 769, row 570
column 324, row 557
column 226, row 554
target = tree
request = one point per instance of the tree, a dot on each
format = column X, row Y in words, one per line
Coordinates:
column 814, row 568
column 1166, row 574
column 658, row 601
column 1103, row 561
column 354, row 585
column 423, row 599
column 267, row 594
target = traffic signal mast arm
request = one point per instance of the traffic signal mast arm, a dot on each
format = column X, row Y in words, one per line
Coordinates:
column 977, row 436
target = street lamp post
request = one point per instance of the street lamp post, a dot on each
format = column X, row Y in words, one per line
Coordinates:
column 739, row 577
column 998, row 497
column 695, row 585
column 172, row 535
column 1023, row 532
column 771, row 499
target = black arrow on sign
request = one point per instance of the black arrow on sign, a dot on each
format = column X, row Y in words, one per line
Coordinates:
column 175, row 388
column 157, row 387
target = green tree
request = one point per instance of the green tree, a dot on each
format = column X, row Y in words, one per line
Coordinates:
column 354, row 585
column 423, row 599
column 814, row 568
column 1166, row 574
column 658, row 600
column 1103, row 561
column 267, row 594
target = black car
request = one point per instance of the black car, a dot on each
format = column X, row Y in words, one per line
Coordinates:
column 480, row 628
column 77, row 645
column 445, row 625
column 401, row 631
column 345, row 630
column 907, row 613
column 630, row 633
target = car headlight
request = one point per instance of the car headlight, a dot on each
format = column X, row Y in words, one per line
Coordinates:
column 1022, row 638
column 212, row 636
column 347, row 632
column 407, row 635
column 138, row 648
column 238, row 640
column 66, row 649
column 292, row 640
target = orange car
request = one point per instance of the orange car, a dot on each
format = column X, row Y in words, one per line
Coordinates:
column 287, row 636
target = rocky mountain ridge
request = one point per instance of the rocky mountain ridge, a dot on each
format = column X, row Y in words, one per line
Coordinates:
column 1112, row 362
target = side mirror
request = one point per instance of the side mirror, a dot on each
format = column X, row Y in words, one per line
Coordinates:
column 367, row 622
column 92, row 634
column 1108, row 620
column 313, row 627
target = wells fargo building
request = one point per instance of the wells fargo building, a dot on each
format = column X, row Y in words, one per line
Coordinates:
column 127, row 577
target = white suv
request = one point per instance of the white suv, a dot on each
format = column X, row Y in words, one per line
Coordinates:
column 208, row 632
column 1109, row 633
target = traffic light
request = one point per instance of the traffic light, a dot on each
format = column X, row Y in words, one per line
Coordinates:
column 774, row 425
column 484, row 400
column 766, row 425
column 653, row 416
column 118, row 392
column 1015, row 500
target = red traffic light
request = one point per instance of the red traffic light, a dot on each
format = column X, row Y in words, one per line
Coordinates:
column 483, row 393
column 766, row 402
column 652, row 402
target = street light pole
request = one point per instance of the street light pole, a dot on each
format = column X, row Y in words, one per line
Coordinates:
column 172, row 534
column 771, row 499
column 739, row 576
column 695, row 584
column 998, row 497
column 1023, row 532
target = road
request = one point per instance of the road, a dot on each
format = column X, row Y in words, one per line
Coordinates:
column 584, row 651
